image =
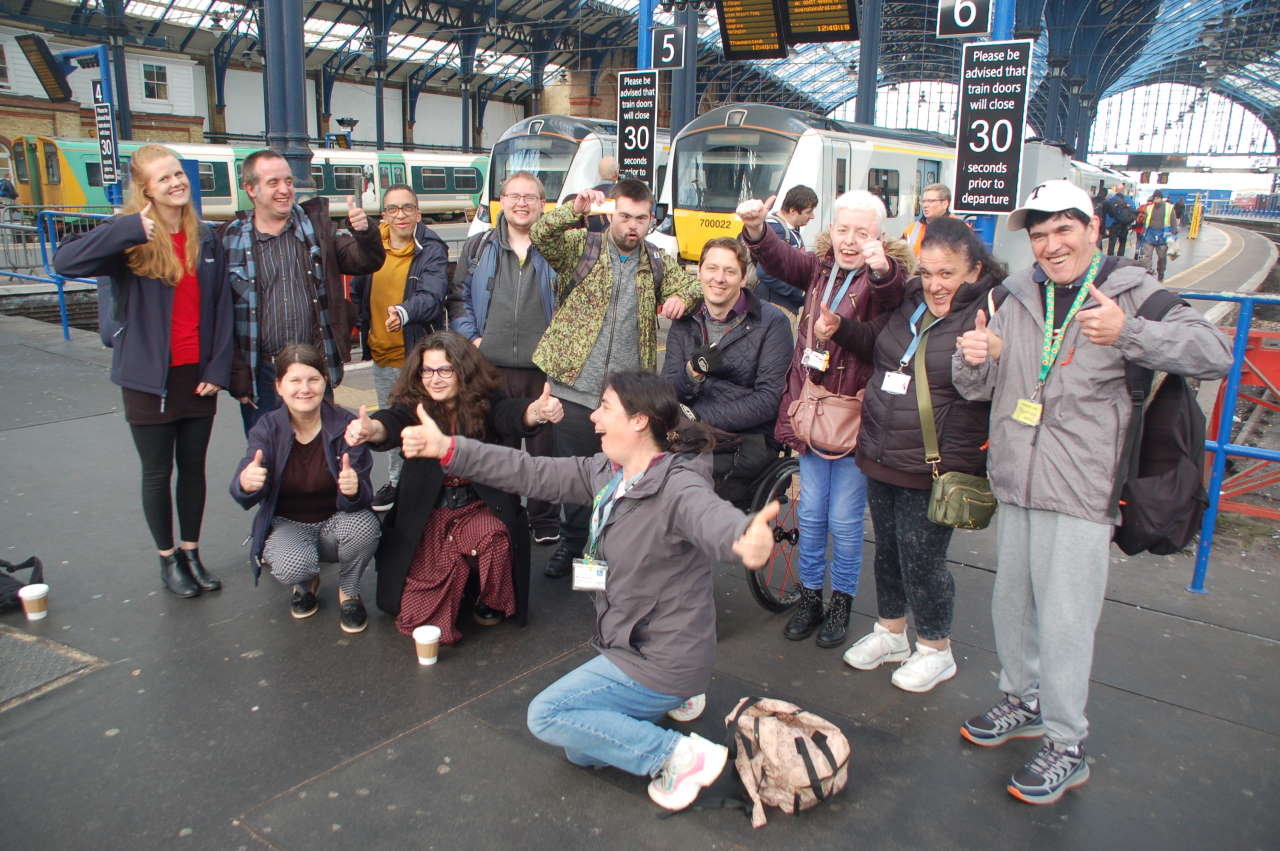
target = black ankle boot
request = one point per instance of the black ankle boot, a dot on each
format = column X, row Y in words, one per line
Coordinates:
column 190, row 559
column 560, row 563
column 808, row 615
column 836, row 623
column 176, row 578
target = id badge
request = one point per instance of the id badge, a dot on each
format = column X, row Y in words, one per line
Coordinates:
column 589, row 574
column 896, row 383
column 814, row 359
column 1028, row 412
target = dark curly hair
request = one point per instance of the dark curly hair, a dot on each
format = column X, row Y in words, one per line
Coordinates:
column 478, row 381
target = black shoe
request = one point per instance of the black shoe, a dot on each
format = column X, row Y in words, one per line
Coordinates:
column 175, row 577
column 385, row 498
column 303, row 603
column 352, row 616
column 808, row 615
column 190, row 559
column 560, row 563
column 549, row 535
column 836, row 622
column 486, row 616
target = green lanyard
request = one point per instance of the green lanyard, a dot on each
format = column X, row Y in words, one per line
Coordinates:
column 1052, row 338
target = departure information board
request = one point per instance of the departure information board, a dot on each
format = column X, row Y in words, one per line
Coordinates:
column 819, row 20
column 750, row 29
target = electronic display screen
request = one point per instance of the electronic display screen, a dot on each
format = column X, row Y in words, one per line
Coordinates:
column 750, row 29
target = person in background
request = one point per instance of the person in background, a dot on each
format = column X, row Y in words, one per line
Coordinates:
column 1140, row 247
column 502, row 299
column 400, row 303
column 935, row 203
column 312, row 490
column 172, row 353
column 1159, row 225
column 608, row 171
column 797, row 210
column 1120, row 214
column 285, row 263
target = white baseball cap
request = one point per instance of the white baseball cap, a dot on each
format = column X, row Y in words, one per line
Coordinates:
column 1052, row 196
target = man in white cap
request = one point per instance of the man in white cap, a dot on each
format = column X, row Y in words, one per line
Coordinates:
column 1052, row 361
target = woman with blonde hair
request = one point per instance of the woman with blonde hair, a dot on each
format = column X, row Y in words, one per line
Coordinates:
column 171, row 352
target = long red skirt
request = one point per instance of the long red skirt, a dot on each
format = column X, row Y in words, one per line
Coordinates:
column 438, row 572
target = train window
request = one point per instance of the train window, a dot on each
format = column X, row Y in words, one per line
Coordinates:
column 317, row 176
column 93, row 173
column 718, row 169
column 842, row 176
column 20, row 164
column 155, row 81
column 52, row 173
column 466, row 179
column 397, row 174
column 384, row 175
column 348, row 179
column 547, row 157
column 432, row 179
column 884, row 182
column 207, row 179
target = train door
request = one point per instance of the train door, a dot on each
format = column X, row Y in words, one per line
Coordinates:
column 837, row 159
column 927, row 171
column 30, row 166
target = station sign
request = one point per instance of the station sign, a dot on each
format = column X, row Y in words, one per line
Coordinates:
column 668, row 48
column 994, row 83
column 964, row 18
column 637, row 123
column 819, row 20
column 750, row 29
column 104, row 122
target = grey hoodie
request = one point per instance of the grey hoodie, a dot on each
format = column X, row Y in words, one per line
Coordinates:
column 1068, row 463
column 656, row 619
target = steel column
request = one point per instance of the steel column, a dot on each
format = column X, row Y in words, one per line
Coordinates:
column 868, row 61
column 286, row 89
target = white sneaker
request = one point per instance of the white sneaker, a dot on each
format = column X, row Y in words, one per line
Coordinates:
column 695, row 763
column 877, row 647
column 925, row 669
column 690, row 710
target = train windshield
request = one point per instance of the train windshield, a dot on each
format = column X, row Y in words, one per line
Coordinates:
column 718, row 169
column 546, row 156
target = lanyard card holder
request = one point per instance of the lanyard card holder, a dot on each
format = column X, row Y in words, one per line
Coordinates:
column 589, row 574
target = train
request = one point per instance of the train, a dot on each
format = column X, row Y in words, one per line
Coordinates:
column 1096, row 179
column 66, row 173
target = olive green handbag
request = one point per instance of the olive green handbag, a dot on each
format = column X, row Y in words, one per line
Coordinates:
column 957, row 499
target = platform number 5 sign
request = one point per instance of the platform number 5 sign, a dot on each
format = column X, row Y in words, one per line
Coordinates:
column 668, row 48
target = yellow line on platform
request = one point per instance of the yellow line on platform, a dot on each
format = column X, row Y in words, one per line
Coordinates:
column 1219, row 260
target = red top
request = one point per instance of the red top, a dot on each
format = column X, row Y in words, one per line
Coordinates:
column 184, row 336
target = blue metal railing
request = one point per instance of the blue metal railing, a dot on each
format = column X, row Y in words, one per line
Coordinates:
column 1222, row 447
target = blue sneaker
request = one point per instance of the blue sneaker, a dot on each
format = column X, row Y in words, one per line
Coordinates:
column 1008, row 719
column 1053, row 770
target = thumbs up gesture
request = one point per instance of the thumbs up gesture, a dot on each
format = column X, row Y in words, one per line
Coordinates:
column 348, row 481
column 753, row 212
column 148, row 223
column 545, row 409
column 826, row 324
column 981, row 342
column 757, row 542
column 356, row 214
column 1101, row 325
column 365, row 429
column 393, row 323
column 425, row 440
column 254, row 475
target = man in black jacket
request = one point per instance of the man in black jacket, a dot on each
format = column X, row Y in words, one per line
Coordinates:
column 728, row 363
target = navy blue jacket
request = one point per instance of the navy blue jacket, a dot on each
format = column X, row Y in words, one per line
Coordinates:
column 140, row 354
column 742, row 394
column 771, row 288
column 425, row 289
column 273, row 434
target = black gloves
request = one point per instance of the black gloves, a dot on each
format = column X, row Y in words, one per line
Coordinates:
column 705, row 360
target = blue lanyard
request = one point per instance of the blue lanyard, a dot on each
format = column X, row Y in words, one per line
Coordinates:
column 831, row 281
column 602, row 508
column 916, row 336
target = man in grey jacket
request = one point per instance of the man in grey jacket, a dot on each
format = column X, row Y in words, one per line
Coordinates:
column 1052, row 363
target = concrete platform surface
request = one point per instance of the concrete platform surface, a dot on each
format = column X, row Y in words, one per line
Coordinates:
column 222, row 723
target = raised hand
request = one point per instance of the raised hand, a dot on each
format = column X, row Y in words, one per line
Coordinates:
column 393, row 319
column 756, row 543
column 981, row 342
column 826, row 324
column 253, row 476
column 364, row 429
column 753, row 212
column 425, row 440
column 586, row 199
column 348, row 481
column 356, row 214
column 1101, row 325
column 673, row 308
column 148, row 223
column 873, row 253
column 545, row 409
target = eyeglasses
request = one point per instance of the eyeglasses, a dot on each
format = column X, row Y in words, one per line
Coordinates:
column 934, row 200
column 402, row 210
column 522, row 199
column 445, row 372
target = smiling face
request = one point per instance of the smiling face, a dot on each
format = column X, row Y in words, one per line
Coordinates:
column 273, row 194
column 620, row 433
column 439, row 377
column 721, row 278
column 400, row 209
column 166, row 183
column 849, row 231
column 1064, row 247
column 630, row 223
column 942, row 272
column 521, row 202
column 301, row 388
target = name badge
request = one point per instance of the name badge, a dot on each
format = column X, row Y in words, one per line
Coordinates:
column 1028, row 412
column 896, row 383
column 589, row 574
column 816, row 360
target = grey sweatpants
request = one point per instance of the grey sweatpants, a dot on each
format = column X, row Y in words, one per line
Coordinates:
column 1051, row 575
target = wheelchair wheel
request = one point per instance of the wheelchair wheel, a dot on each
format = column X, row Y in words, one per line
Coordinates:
column 776, row 586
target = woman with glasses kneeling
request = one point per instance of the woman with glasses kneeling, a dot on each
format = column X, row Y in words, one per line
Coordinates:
column 657, row 528
column 442, row 524
column 313, row 491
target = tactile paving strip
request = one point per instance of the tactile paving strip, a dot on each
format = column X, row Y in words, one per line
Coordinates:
column 30, row 666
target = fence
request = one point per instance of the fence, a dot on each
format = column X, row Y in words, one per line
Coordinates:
column 27, row 249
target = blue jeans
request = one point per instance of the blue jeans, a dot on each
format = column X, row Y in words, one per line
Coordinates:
column 833, row 496
column 600, row 716
column 384, row 378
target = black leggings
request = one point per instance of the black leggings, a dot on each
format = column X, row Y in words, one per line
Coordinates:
column 158, row 445
column 911, row 560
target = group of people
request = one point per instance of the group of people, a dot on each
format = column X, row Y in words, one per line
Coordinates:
column 547, row 337
column 1155, row 226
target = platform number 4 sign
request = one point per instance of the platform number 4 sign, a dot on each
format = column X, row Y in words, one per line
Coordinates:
column 964, row 18
column 668, row 48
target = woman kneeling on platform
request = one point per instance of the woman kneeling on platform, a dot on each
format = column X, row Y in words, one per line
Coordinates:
column 657, row 528
column 442, row 524
column 313, row 491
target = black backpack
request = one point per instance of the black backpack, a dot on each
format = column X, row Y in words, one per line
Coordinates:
column 1159, row 487
column 1121, row 212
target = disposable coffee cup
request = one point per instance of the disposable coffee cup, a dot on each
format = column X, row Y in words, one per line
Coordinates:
column 427, row 639
column 35, row 600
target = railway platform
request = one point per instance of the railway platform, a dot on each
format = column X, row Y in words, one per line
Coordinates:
column 133, row 719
